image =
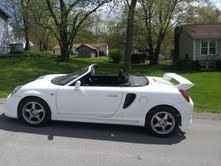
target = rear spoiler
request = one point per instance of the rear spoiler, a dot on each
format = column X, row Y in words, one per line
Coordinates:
column 184, row 84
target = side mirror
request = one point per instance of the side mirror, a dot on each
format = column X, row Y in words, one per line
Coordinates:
column 77, row 85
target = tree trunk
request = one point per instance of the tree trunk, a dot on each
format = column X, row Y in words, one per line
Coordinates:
column 129, row 37
column 64, row 32
column 176, row 55
column 155, row 55
column 154, row 59
column 40, row 44
column 27, row 44
column 45, row 42
column 64, row 51
column 151, row 52
column 26, row 24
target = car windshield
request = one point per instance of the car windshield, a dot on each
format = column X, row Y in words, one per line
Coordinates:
column 63, row 80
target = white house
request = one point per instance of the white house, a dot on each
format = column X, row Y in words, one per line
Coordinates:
column 4, row 34
column 198, row 42
column 19, row 45
column 102, row 49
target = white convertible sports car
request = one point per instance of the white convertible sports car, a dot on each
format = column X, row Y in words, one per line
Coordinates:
column 153, row 102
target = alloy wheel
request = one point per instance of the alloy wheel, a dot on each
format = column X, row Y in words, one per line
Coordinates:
column 163, row 122
column 33, row 112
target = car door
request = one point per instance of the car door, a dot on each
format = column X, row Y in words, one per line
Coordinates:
column 89, row 100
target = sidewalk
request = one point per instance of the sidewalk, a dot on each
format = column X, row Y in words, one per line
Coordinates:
column 2, row 100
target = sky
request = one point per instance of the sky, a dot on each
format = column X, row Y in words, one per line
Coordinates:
column 217, row 3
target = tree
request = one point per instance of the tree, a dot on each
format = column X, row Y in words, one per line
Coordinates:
column 155, row 21
column 205, row 14
column 26, row 21
column 129, row 35
column 116, row 34
column 67, row 19
column 42, row 37
column 158, row 16
column 39, row 32
column 21, row 18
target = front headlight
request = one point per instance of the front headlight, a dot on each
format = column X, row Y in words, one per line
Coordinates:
column 15, row 90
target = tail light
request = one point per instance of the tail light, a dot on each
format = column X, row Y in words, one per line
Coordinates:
column 185, row 95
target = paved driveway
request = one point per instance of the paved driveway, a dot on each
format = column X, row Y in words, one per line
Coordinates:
column 62, row 143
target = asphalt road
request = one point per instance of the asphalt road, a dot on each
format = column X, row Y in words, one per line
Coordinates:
column 74, row 144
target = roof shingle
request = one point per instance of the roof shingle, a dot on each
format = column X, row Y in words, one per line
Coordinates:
column 203, row 30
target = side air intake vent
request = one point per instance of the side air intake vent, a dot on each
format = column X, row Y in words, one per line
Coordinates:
column 130, row 97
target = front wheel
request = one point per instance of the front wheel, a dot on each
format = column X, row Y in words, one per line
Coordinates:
column 34, row 112
column 162, row 121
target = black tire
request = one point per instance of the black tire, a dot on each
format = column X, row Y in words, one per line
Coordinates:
column 162, row 111
column 39, row 102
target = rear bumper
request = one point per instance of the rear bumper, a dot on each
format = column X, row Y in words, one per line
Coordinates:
column 11, row 106
column 186, row 110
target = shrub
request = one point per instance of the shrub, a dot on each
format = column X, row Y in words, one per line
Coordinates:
column 39, row 54
column 16, row 52
column 187, row 65
column 218, row 65
column 116, row 55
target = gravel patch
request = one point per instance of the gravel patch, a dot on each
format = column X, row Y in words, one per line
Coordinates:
column 206, row 115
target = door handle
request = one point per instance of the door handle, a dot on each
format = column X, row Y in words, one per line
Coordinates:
column 112, row 95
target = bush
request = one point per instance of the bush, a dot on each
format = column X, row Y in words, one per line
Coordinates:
column 16, row 52
column 218, row 65
column 116, row 55
column 187, row 65
column 39, row 54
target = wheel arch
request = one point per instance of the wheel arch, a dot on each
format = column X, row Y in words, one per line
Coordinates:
column 169, row 106
column 29, row 97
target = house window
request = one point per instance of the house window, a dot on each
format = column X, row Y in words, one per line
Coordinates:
column 212, row 47
column 204, row 47
column 208, row 47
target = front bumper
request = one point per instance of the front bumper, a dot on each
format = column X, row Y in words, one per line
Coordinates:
column 186, row 110
column 11, row 106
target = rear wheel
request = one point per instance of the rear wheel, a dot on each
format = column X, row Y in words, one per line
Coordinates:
column 162, row 121
column 34, row 111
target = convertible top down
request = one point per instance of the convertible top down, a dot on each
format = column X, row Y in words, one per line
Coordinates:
column 152, row 102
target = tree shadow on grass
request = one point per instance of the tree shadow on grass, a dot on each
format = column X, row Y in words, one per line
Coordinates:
column 128, row 134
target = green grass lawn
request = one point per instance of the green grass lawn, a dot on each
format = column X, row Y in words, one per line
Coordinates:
column 17, row 71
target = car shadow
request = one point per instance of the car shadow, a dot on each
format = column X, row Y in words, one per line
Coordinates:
column 128, row 134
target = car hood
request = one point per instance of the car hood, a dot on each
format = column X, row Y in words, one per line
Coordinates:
column 43, row 82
